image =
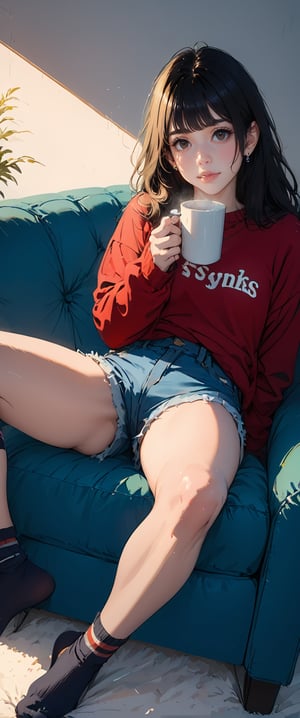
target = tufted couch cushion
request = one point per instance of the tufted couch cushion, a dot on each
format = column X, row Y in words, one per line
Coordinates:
column 51, row 246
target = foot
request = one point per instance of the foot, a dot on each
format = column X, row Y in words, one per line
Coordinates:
column 58, row 691
column 21, row 588
column 63, row 641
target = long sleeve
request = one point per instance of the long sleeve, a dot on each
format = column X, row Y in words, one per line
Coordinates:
column 278, row 348
column 245, row 310
column 131, row 291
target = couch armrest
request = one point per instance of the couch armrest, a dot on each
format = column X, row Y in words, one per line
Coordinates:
column 274, row 640
column 284, row 453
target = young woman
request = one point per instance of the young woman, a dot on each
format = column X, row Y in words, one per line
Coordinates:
column 201, row 355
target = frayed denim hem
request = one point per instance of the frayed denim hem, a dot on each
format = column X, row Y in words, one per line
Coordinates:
column 185, row 399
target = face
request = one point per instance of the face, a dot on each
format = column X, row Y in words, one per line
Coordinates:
column 209, row 160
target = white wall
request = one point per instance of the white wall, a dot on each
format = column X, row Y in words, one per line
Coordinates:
column 76, row 144
column 108, row 51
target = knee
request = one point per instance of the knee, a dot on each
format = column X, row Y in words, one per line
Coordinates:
column 199, row 498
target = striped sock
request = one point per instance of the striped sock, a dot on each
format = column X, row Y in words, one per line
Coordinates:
column 99, row 642
column 58, row 691
column 11, row 554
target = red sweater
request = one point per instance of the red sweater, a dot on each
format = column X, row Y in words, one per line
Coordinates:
column 243, row 308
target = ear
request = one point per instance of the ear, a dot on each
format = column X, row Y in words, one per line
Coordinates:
column 169, row 157
column 252, row 138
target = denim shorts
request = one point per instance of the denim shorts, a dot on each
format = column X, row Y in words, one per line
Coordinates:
column 148, row 377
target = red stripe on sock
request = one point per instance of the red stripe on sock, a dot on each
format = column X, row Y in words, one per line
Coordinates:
column 106, row 647
column 8, row 542
column 98, row 646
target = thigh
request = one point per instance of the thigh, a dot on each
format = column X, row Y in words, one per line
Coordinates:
column 55, row 394
column 201, row 435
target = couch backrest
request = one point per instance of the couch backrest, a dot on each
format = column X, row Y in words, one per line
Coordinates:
column 50, row 249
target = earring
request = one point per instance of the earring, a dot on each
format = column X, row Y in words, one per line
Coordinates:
column 175, row 168
column 247, row 158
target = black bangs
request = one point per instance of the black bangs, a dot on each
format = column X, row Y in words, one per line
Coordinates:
column 195, row 105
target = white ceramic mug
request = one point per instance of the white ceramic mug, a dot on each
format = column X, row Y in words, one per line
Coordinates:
column 202, row 225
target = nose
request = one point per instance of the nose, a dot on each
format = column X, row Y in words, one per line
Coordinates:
column 203, row 155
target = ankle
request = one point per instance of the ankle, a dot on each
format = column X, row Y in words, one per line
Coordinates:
column 11, row 554
column 98, row 641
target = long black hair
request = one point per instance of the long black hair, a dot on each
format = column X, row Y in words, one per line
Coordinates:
column 194, row 85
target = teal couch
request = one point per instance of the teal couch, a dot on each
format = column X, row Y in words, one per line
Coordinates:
column 74, row 514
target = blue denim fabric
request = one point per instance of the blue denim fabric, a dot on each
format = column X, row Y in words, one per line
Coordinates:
column 148, row 377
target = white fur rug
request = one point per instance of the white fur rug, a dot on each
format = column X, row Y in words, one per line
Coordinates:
column 139, row 681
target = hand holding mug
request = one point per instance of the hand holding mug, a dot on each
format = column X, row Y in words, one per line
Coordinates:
column 165, row 242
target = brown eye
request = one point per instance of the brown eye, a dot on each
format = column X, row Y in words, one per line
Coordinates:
column 180, row 144
column 222, row 134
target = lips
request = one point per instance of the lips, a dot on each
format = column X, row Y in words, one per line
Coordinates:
column 208, row 176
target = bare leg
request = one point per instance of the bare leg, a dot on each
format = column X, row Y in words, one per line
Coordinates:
column 55, row 394
column 64, row 399
column 190, row 456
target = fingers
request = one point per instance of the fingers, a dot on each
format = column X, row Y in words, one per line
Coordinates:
column 165, row 242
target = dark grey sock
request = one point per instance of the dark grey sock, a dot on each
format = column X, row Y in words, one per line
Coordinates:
column 22, row 587
column 58, row 691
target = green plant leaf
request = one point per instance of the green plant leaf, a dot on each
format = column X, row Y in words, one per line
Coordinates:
column 10, row 165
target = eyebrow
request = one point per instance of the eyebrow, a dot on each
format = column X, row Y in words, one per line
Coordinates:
column 188, row 132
